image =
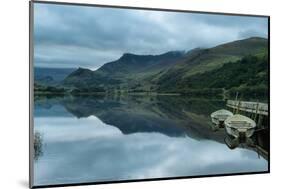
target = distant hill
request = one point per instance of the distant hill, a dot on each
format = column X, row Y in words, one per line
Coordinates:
column 51, row 76
column 237, row 64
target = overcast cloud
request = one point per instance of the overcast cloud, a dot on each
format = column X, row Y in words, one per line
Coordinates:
column 78, row 36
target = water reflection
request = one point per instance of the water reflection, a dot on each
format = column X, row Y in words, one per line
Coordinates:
column 38, row 145
column 172, row 116
column 258, row 142
column 88, row 139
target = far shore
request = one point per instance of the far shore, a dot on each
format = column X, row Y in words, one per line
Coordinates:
column 106, row 93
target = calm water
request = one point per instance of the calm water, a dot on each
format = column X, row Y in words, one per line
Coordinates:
column 88, row 139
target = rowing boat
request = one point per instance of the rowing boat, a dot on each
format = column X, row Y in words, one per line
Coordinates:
column 218, row 117
column 240, row 126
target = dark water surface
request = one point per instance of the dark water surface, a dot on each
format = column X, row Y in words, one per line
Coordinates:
column 91, row 139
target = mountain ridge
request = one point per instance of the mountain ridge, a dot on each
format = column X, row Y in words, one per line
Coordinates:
column 173, row 71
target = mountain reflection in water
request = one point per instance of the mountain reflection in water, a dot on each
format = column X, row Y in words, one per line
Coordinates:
column 88, row 139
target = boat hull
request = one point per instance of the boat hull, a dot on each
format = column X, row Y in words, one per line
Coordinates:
column 218, row 122
column 240, row 126
column 240, row 133
column 220, row 116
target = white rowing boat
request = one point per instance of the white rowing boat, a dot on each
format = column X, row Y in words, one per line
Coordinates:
column 240, row 126
column 218, row 117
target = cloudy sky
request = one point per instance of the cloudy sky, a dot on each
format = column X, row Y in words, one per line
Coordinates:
column 79, row 36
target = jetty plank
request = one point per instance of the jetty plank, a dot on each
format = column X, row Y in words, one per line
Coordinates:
column 252, row 107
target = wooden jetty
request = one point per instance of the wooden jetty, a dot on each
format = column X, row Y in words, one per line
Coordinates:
column 251, row 107
column 255, row 110
column 259, row 113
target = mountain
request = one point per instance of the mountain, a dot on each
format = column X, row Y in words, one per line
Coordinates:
column 51, row 76
column 176, row 71
column 209, row 59
column 131, row 63
column 129, row 70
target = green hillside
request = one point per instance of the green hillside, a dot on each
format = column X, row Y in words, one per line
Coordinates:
column 248, row 76
column 210, row 59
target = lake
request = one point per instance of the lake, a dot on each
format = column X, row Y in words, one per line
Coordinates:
column 107, row 138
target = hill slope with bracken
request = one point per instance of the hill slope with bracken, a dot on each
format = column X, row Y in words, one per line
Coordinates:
column 209, row 59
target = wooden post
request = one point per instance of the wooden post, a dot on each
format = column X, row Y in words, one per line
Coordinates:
column 257, row 107
column 259, row 124
column 238, row 105
column 235, row 102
